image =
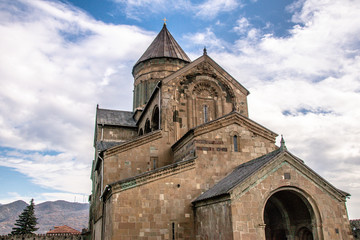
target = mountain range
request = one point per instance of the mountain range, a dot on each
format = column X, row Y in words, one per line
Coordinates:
column 49, row 214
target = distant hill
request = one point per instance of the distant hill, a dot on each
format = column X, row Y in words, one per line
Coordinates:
column 49, row 214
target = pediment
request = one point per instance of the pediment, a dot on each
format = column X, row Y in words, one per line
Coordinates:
column 250, row 174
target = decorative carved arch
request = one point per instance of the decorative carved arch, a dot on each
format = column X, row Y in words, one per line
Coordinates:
column 207, row 70
column 202, row 87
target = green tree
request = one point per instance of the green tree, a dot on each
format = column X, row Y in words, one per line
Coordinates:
column 26, row 223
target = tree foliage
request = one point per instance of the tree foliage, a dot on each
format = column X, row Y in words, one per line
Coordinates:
column 26, row 223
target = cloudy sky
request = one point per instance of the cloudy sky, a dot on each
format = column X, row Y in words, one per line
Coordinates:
column 299, row 59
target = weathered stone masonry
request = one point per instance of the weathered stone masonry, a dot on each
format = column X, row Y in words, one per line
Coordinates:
column 189, row 163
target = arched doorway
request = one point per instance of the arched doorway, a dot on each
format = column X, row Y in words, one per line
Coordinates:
column 289, row 216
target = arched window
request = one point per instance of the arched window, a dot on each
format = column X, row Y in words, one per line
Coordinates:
column 155, row 125
column 235, row 141
column 147, row 126
column 141, row 132
column 206, row 114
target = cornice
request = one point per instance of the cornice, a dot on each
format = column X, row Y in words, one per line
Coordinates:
column 226, row 120
column 239, row 119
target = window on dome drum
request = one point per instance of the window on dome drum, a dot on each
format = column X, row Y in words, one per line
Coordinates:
column 206, row 114
column 146, row 91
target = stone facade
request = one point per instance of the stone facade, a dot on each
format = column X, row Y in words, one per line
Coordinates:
column 190, row 164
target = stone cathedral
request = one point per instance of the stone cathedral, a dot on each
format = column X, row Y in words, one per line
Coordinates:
column 189, row 163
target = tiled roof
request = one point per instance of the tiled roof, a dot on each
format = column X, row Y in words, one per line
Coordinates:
column 239, row 174
column 164, row 45
column 63, row 230
column 102, row 145
column 115, row 117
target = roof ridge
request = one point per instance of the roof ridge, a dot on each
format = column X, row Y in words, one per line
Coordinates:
column 114, row 110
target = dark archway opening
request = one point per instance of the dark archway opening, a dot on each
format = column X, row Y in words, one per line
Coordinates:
column 147, row 126
column 155, row 119
column 141, row 132
column 288, row 216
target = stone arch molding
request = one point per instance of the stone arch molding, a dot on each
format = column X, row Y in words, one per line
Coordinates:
column 202, row 87
column 205, row 83
column 310, row 203
column 207, row 71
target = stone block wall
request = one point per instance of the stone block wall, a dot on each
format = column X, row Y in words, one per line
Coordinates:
column 161, row 206
column 115, row 133
column 136, row 157
column 213, row 221
column 158, row 209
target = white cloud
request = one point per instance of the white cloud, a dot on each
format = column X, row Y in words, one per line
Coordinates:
column 208, row 9
column 135, row 9
column 242, row 25
column 211, row 8
column 56, row 64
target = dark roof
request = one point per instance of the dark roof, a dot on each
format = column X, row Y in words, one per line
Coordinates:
column 115, row 117
column 102, row 145
column 164, row 45
column 239, row 174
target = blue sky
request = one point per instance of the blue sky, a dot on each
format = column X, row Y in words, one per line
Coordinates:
column 299, row 59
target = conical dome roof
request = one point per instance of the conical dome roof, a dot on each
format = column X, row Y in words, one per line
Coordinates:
column 164, row 45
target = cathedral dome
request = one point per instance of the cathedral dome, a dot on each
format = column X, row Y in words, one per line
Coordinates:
column 163, row 57
column 164, row 45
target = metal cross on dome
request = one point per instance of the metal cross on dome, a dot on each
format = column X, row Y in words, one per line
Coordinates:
column 165, row 20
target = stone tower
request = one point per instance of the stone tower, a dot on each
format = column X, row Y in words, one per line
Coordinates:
column 163, row 57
